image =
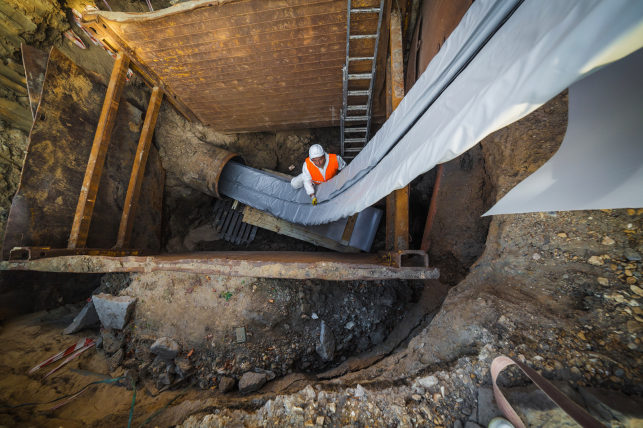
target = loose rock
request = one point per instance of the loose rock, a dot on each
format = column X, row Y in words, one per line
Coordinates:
column 116, row 359
column 326, row 346
column 595, row 260
column 607, row 241
column 112, row 342
column 226, row 384
column 251, row 381
column 634, row 327
column 166, row 379
column 114, row 311
column 631, row 255
column 183, row 367
column 166, row 348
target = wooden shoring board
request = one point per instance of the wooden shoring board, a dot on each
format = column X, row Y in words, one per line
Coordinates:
column 216, row 60
column 15, row 113
column 136, row 179
column 43, row 209
column 102, row 138
column 348, row 229
column 266, row 221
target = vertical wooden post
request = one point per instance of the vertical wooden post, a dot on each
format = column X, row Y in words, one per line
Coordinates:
column 397, row 59
column 397, row 203
column 87, row 199
column 433, row 207
column 140, row 160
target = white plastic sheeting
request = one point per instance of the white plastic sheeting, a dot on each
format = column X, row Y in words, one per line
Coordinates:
column 600, row 162
column 544, row 47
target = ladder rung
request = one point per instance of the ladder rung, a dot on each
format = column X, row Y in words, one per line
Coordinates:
column 364, row 36
column 353, row 150
column 354, row 130
column 362, row 58
column 360, row 76
column 356, row 108
column 355, row 118
column 354, row 140
column 357, row 93
column 366, row 10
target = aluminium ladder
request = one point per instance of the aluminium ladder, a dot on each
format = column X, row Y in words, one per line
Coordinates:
column 350, row 147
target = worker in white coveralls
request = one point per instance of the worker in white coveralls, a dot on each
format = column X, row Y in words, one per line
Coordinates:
column 318, row 168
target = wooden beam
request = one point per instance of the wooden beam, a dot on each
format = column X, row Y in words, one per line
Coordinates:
column 16, row 114
column 140, row 160
column 433, row 207
column 266, row 221
column 397, row 203
column 13, row 86
column 85, row 208
column 397, row 59
column 348, row 229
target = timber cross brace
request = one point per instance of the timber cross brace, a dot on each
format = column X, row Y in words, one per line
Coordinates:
column 89, row 190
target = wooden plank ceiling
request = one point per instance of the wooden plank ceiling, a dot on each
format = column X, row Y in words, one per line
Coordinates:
column 249, row 65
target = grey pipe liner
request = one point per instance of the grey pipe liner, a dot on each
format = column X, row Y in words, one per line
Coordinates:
column 503, row 71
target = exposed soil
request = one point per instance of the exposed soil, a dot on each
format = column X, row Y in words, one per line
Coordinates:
column 559, row 291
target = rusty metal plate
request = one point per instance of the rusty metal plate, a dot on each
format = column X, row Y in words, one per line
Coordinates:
column 35, row 62
column 437, row 20
column 255, row 65
column 43, row 209
column 258, row 264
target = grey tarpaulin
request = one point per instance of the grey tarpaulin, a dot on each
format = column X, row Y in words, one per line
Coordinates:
column 600, row 162
column 543, row 47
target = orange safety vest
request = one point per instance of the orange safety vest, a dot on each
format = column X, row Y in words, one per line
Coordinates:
column 331, row 170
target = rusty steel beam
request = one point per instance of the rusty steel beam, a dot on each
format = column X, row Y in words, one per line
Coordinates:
column 433, row 207
column 25, row 254
column 136, row 180
column 397, row 203
column 259, row 264
column 87, row 199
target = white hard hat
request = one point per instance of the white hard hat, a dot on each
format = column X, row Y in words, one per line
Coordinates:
column 315, row 151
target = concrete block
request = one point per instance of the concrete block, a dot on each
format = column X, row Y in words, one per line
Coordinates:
column 87, row 317
column 114, row 311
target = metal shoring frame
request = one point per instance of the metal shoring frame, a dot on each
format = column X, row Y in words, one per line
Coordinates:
column 345, row 71
column 370, row 89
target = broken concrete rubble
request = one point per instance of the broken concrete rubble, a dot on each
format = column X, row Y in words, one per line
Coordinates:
column 114, row 311
column 183, row 367
column 111, row 341
column 88, row 317
column 166, row 348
